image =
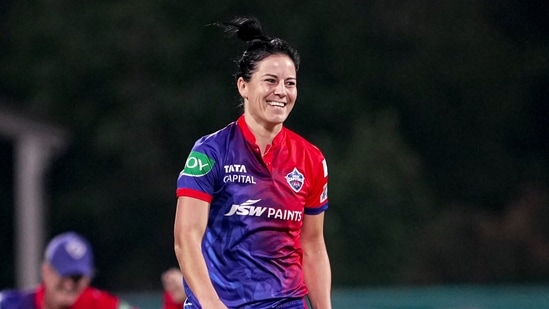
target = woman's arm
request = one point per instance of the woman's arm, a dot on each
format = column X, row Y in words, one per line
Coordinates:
column 191, row 218
column 316, row 264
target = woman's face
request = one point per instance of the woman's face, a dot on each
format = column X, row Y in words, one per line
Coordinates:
column 270, row 95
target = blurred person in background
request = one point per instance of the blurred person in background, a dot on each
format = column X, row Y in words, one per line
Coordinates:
column 251, row 198
column 173, row 291
column 67, row 271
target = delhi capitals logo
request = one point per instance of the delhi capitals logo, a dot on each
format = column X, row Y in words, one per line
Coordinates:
column 295, row 179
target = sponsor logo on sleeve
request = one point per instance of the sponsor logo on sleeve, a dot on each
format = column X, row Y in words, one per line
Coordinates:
column 295, row 179
column 324, row 195
column 197, row 165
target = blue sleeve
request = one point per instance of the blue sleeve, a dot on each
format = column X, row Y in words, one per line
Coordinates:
column 202, row 167
column 12, row 299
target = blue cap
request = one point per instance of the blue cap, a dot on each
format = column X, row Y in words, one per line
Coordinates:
column 70, row 254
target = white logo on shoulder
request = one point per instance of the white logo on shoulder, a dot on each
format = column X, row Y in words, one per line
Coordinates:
column 324, row 195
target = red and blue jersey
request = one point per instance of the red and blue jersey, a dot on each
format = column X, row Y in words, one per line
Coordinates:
column 252, row 240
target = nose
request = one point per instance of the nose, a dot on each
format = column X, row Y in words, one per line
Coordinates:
column 280, row 89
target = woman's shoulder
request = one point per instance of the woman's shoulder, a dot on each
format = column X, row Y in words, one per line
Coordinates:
column 216, row 138
column 222, row 133
column 298, row 140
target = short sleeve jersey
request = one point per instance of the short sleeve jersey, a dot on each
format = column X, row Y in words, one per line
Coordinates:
column 257, row 205
column 91, row 298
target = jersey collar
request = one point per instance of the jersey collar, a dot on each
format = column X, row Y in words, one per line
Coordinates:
column 249, row 136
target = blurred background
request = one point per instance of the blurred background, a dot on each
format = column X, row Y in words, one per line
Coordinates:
column 432, row 116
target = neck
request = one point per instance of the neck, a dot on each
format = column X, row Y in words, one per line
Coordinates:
column 264, row 133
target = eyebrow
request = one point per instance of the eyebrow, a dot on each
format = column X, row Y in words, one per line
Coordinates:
column 276, row 76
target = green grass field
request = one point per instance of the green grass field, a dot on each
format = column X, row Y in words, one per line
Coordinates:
column 443, row 297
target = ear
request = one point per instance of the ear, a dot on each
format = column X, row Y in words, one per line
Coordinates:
column 242, row 87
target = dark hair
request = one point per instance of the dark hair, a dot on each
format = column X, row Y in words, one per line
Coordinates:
column 260, row 46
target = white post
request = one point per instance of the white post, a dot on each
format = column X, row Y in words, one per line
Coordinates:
column 36, row 143
column 31, row 160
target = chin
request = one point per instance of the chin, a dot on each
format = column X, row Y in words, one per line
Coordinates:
column 278, row 119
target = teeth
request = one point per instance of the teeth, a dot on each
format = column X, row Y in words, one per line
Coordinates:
column 274, row 103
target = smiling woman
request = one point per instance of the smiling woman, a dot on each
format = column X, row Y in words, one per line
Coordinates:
column 269, row 97
column 251, row 197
